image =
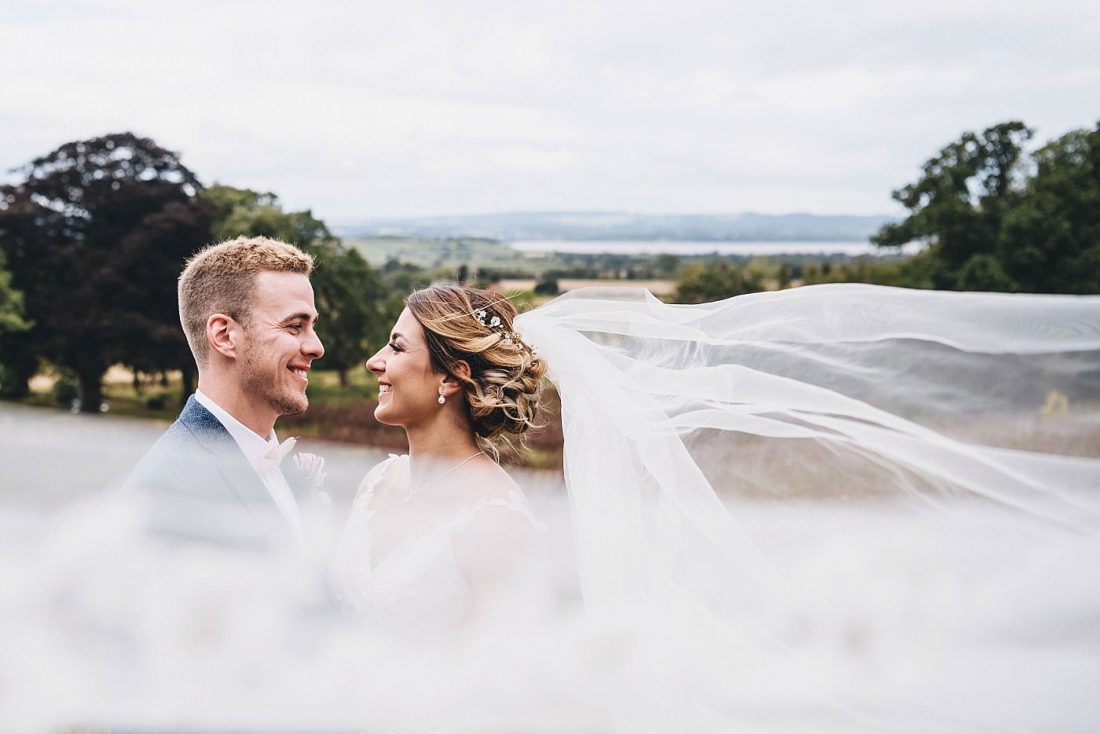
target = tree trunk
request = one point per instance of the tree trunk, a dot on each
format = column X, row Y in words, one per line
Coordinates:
column 188, row 385
column 20, row 365
column 91, row 390
column 343, row 377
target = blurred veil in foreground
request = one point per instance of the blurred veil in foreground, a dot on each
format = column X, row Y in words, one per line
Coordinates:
column 837, row 508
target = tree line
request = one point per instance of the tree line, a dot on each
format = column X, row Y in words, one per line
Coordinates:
column 94, row 234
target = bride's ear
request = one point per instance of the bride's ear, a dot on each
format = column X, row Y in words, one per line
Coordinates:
column 451, row 384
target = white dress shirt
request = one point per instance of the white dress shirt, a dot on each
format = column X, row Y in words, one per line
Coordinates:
column 255, row 448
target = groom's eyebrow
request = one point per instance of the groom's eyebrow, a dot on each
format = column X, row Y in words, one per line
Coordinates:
column 301, row 316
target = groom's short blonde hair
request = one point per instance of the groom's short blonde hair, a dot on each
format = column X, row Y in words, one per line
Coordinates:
column 221, row 278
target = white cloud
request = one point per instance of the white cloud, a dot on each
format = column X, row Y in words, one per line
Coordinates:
column 357, row 109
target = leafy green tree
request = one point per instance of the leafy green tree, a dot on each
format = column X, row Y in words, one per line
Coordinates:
column 95, row 235
column 1050, row 242
column 11, row 303
column 402, row 278
column 984, row 273
column 259, row 214
column 547, row 286
column 666, row 265
column 783, row 276
column 12, row 323
column 714, row 281
column 997, row 218
column 351, row 298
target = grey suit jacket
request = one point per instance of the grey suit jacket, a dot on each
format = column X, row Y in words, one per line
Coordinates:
column 198, row 485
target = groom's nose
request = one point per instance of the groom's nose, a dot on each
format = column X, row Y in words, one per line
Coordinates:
column 313, row 346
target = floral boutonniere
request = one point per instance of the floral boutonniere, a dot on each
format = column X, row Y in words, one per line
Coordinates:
column 309, row 470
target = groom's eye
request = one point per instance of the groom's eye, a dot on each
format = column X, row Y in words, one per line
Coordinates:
column 294, row 328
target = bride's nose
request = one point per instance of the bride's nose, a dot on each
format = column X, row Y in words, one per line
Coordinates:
column 376, row 364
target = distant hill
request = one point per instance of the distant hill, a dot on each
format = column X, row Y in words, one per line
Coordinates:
column 513, row 226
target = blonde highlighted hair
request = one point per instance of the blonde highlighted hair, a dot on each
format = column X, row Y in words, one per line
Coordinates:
column 504, row 389
column 221, row 278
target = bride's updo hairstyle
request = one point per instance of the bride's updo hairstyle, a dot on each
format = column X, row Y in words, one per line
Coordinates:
column 475, row 326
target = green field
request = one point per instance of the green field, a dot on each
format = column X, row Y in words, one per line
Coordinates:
column 447, row 253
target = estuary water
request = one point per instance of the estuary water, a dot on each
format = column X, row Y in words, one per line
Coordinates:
column 699, row 247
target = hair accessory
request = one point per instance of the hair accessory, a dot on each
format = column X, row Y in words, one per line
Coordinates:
column 506, row 336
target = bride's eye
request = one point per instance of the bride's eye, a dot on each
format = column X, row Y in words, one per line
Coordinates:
column 394, row 347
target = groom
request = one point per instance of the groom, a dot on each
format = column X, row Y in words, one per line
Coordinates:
column 248, row 312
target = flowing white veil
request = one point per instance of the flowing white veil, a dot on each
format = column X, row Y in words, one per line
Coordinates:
column 838, row 507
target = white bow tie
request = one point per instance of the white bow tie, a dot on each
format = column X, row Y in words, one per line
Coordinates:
column 278, row 452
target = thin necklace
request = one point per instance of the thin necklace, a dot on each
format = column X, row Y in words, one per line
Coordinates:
column 413, row 493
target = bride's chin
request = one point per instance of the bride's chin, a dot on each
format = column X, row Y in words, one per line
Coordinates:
column 380, row 415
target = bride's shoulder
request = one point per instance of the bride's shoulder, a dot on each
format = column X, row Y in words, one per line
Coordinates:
column 492, row 498
column 389, row 470
column 487, row 483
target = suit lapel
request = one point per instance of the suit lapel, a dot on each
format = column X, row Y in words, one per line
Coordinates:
column 239, row 478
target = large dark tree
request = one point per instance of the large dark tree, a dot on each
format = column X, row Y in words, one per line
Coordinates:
column 96, row 235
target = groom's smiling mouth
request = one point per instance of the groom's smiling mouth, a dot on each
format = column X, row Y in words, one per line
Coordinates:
column 301, row 373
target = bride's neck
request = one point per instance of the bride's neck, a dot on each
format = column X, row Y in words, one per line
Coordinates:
column 440, row 443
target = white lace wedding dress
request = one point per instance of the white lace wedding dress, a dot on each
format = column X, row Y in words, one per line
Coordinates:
column 406, row 580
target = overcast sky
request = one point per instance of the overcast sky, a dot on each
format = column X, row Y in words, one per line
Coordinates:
column 367, row 109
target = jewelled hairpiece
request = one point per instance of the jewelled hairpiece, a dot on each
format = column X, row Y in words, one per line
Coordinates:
column 496, row 325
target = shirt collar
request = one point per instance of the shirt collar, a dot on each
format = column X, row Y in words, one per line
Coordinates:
column 251, row 444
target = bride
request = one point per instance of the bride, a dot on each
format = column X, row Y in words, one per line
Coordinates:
column 436, row 536
column 832, row 508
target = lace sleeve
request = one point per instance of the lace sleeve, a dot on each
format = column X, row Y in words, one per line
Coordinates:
column 370, row 481
column 511, row 509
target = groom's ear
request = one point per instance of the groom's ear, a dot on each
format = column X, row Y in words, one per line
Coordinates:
column 223, row 334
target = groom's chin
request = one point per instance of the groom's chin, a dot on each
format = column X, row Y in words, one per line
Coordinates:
column 288, row 406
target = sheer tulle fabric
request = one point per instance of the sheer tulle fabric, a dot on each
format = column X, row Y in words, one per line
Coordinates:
column 836, row 507
column 832, row 509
